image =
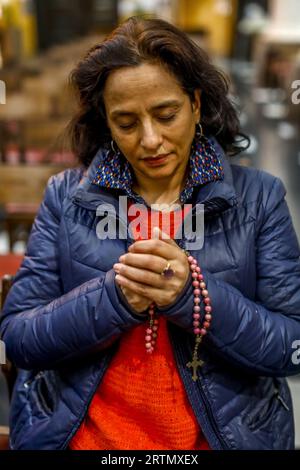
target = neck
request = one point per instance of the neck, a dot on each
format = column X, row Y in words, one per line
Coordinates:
column 159, row 191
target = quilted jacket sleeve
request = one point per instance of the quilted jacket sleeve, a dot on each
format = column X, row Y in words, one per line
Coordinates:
column 41, row 326
column 261, row 336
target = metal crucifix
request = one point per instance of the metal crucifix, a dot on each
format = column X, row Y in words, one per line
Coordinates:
column 194, row 364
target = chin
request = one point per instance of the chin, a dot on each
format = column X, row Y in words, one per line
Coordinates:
column 161, row 172
column 168, row 167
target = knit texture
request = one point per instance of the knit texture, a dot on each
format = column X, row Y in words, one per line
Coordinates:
column 141, row 403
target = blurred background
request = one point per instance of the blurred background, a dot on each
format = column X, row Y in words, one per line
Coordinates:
column 257, row 43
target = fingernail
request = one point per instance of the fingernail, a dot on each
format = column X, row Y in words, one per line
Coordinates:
column 122, row 258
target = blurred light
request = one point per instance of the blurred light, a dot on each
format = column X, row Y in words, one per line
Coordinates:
column 223, row 7
column 254, row 19
column 267, row 95
column 286, row 130
column 4, row 243
column 5, row 2
column 243, row 119
column 275, row 111
column 127, row 7
column 2, row 91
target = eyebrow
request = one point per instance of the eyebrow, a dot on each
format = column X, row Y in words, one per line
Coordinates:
column 164, row 104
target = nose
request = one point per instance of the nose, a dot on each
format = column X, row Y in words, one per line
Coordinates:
column 151, row 138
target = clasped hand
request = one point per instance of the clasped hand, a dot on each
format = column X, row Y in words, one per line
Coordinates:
column 138, row 272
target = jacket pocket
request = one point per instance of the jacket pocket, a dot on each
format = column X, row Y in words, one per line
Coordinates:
column 43, row 392
column 263, row 417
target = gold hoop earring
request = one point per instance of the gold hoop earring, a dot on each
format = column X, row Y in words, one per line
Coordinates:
column 112, row 147
column 199, row 130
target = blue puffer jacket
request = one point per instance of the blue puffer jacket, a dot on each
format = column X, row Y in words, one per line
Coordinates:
column 64, row 314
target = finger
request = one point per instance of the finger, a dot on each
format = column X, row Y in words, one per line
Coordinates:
column 141, row 289
column 143, row 276
column 145, row 261
column 167, row 249
column 126, row 291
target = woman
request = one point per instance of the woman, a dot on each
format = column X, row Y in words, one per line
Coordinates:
column 151, row 341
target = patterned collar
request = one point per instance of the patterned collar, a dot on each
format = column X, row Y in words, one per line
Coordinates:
column 115, row 171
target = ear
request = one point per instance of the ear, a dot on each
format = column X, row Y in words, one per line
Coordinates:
column 197, row 104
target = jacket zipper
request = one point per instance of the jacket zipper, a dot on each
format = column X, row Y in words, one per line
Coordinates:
column 205, row 401
column 211, row 416
column 100, row 373
column 207, row 408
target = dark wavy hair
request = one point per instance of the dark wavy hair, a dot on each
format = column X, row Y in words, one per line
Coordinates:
column 150, row 40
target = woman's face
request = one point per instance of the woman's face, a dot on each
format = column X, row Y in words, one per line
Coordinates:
column 149, row 115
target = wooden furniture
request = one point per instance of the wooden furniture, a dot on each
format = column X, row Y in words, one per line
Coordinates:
column 21, row 192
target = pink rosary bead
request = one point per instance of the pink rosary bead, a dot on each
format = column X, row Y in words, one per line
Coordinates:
column 151, row 335
column 199, row 290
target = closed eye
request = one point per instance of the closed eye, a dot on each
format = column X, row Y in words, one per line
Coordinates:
column 167, row 118
column 129, row 126
column 160, row 118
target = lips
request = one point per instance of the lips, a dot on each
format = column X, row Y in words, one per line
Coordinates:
column 162, row 155
column 159, row 159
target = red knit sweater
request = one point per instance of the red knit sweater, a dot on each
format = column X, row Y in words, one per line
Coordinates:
column 141, row 402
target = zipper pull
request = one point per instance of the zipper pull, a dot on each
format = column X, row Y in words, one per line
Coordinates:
column 37, row 376
column 282, row 401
